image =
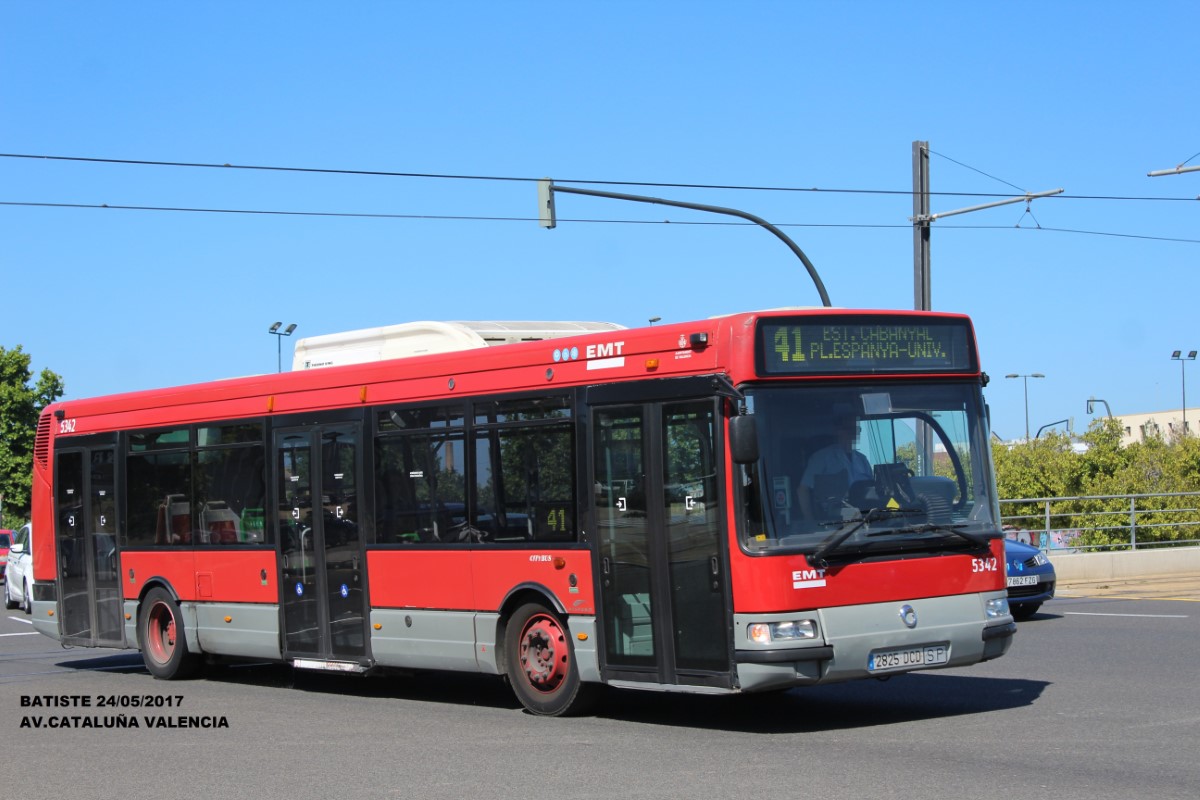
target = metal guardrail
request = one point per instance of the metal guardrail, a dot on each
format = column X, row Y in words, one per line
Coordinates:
column 1106, row 522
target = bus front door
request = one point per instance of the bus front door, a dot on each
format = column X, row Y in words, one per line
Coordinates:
column 86, row 530
column 665, row 612
column 317, row 485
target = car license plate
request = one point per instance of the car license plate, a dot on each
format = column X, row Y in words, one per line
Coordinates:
column 908, row 657
column 1023, row 580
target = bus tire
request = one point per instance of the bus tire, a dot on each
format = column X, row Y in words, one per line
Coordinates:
column 161, row 637
column 540, row 662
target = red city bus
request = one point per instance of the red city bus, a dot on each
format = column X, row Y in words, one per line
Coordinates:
column 747, row 503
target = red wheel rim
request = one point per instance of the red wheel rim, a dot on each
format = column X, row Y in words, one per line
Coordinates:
column 544, row 653
column 160, row 633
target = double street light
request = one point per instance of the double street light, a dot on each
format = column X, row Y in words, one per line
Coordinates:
column 1178, row 355
column 274, row 329
column 1026, row 379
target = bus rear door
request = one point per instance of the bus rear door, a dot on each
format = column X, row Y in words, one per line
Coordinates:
column 88, row 582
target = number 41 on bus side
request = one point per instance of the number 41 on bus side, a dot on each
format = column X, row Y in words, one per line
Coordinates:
column 557, row 520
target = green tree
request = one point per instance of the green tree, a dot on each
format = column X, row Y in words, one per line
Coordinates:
column 1106, row 473
column 20, row 405
column 1042, row 467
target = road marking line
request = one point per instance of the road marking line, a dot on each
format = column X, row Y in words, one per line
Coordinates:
column 31, row 633
column 1098, row 614
column 1127, row 597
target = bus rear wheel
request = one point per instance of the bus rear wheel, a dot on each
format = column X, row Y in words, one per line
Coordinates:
column 540, row 661
column 161, row 637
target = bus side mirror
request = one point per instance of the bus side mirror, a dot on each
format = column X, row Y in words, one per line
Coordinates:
column 743, row 439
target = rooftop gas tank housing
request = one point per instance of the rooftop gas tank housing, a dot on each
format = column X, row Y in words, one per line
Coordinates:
column 422, row 338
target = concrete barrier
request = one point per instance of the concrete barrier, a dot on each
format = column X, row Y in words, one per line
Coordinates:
column 1087, row 567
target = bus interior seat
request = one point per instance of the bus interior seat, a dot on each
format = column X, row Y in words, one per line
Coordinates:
column 218, row 523
column 937, row 493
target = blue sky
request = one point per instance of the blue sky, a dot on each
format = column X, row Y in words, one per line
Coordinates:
column 1088, row 97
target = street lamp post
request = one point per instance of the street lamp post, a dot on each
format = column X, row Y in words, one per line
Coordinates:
column 1026, row 380
column 1177, row 355
column 279, row 334
column 1092, row 402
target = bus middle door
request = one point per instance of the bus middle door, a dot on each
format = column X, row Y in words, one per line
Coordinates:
column 322, row 586
column 665, row 609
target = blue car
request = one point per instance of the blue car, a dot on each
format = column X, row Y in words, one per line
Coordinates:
column 1030, row 578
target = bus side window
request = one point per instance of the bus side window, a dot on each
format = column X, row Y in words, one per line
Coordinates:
column 525, row 484
column 158, row 499
column 419, row 488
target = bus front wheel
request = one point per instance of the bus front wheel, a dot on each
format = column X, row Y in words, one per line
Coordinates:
column 161, row 637
column 540, row 661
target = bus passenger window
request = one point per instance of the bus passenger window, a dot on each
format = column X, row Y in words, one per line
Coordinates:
column 230, row 494
column 525, row 484
column 419, row 489
column 158, row 499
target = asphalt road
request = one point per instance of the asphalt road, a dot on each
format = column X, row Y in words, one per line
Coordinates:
column 1099, row 698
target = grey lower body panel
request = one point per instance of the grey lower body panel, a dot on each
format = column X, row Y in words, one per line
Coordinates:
column 248, row 630
column 131, row 621
column 43, row 623
column 424, row 639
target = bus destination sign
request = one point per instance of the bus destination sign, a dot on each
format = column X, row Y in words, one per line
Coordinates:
column 841, row 345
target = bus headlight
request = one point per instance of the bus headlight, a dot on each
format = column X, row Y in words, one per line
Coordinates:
column 790, row 631
column 997, row 608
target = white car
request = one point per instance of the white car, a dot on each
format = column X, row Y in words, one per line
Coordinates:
column 18, row 572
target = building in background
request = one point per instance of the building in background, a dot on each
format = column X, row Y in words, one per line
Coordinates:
column 1164, row 424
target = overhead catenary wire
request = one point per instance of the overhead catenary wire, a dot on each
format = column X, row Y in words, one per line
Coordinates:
column 1020, row 189
column 485, row 218
column 592, row 181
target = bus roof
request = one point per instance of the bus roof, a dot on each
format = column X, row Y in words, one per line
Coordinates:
column 425, row 337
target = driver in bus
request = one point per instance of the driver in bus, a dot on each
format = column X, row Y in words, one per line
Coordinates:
column 832, row 470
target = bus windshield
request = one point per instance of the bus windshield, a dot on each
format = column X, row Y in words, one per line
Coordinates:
column 859, row 470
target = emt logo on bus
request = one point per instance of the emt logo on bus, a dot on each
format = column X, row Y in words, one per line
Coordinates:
column 606, row 350
column 808, row 578
column 608, row 355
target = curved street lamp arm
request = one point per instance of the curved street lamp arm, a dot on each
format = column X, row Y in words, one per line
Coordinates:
column 1038, row 435
column 1093, row 400
column 733, row 212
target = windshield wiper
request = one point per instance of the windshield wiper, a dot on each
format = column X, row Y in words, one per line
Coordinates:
column 933, row 527
column 832, row 542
